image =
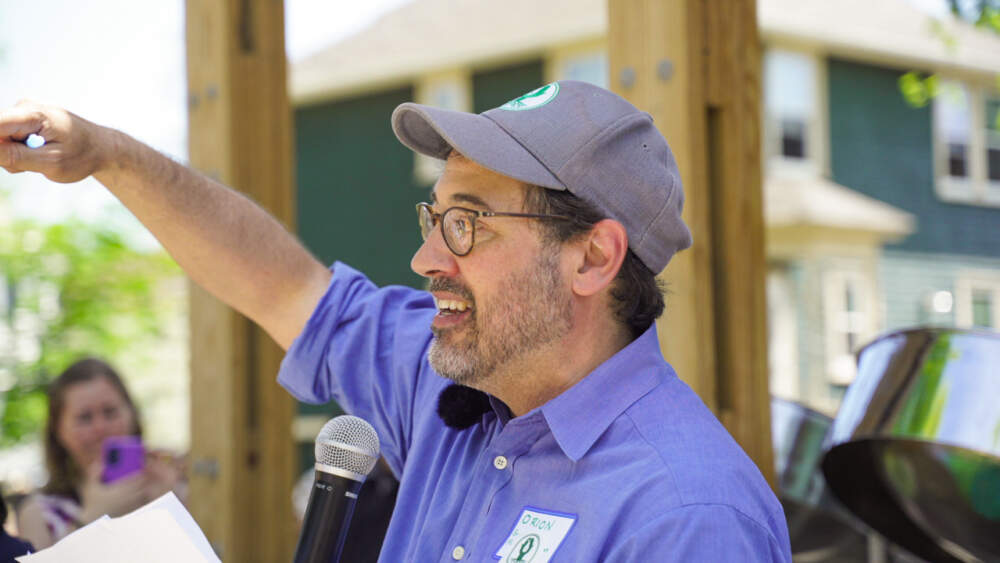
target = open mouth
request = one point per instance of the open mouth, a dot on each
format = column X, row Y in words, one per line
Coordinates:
column 452, row 306
column 451, row 312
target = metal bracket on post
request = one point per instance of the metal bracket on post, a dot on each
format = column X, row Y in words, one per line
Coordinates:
column 627, row 77
column 206, row 467
column 665, row 69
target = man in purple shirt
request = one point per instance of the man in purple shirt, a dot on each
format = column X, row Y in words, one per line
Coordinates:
column 561, row 433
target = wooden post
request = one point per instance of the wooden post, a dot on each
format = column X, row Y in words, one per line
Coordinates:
column 694, row 65
column 242, row 451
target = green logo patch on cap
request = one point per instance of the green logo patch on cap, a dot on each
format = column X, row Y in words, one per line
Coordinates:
column 533, row 99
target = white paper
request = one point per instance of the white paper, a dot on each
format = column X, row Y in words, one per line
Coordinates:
column 160, row 532
column 172, row 504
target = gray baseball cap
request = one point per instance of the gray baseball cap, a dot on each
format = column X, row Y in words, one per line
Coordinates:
column 574, row 136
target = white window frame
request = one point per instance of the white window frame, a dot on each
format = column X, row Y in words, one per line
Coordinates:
column 975, row 188
column 782, row 335
column 841, row 365
column 816, row 160
column 448, row 89
column 966, row 284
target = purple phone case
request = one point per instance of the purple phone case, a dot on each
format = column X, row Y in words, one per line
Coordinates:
column 123, row 456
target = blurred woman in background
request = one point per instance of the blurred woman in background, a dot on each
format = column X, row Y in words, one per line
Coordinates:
column 88, row 403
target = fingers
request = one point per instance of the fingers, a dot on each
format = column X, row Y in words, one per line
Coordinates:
column 162, row 476
column 22, row 120
column 131, row 483
column 17, row 157
column 130, row 491
column 16, row 124
column 70, row 152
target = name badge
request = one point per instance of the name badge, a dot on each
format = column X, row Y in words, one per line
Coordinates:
column 536, row 536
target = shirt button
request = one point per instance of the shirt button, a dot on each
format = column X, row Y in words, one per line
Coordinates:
column 500, row 462
column 458, row 552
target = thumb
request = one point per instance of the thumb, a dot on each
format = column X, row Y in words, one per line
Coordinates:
column 18, row 122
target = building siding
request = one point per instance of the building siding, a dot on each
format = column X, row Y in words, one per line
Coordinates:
column 910, row 278
column 495, row 87
column 356, row 190
column 882, row 147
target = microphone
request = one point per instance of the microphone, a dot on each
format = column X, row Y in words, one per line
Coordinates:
column 346, row 451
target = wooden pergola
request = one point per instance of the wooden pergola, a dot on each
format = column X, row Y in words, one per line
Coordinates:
column 693, row 64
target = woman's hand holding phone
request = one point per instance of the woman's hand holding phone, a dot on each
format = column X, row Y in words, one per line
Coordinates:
column 126, row 478
column 122, row 496
column 165, row 473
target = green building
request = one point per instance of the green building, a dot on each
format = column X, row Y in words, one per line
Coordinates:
column 880, row 215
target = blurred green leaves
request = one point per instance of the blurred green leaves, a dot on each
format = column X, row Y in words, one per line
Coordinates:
column 68, row 290
column 986, row 13
column 918, row 90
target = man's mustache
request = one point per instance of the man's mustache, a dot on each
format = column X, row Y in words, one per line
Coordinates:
column 449, row 285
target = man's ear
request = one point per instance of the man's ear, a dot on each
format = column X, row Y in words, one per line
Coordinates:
column 603, row 251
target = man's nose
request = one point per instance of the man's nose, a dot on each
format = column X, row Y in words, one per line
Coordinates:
column 433, row 257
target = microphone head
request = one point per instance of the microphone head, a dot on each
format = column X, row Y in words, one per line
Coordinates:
column 348, row 443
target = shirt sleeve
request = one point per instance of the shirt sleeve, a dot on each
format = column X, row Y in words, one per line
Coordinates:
column 701, row 532
column 366, row 348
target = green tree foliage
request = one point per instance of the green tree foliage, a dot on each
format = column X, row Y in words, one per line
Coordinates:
column 68, row 290
column 919, row 89
column 983, row 13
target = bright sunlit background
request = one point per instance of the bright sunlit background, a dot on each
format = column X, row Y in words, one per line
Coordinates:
column 121, row 63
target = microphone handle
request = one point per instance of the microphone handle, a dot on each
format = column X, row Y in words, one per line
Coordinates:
column 327, row 519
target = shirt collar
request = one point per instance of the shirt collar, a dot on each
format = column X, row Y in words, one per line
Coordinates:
column 579, row 415
column 500, row 409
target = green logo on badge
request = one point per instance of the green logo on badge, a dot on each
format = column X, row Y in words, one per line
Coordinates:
column 533, row 99
column 524, row 550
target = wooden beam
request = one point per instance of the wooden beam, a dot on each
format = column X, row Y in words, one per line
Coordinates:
column 694, row 65
column 242, row 451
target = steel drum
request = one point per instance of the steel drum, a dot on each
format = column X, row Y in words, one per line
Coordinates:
column 818, row 528
column 915, row 448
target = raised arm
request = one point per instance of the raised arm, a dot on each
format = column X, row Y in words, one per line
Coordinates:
column 226, row 243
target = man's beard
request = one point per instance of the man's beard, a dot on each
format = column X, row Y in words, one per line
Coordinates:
column 529, row 310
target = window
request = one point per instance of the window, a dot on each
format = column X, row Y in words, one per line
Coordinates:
column 993, row 140
column 967, row 144
column 982, row 308
column 977, row 300
column 791, row 100
column 793, row 138
column 953, row 119
column 848, row 311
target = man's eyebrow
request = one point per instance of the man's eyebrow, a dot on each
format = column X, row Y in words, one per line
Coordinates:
column 473, row 199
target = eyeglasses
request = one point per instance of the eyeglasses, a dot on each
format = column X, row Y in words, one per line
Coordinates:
column 458, row 224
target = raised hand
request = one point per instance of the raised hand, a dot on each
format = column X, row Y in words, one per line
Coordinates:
column 114, row 499
column 164, row 473
column 225, row 242
column 74, row 147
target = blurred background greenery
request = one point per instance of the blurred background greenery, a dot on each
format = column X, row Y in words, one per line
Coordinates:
column 68, row 290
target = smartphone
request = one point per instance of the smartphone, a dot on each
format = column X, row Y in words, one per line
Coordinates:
column 123, row 456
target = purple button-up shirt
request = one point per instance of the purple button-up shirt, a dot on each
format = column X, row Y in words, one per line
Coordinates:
column 626, row 465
